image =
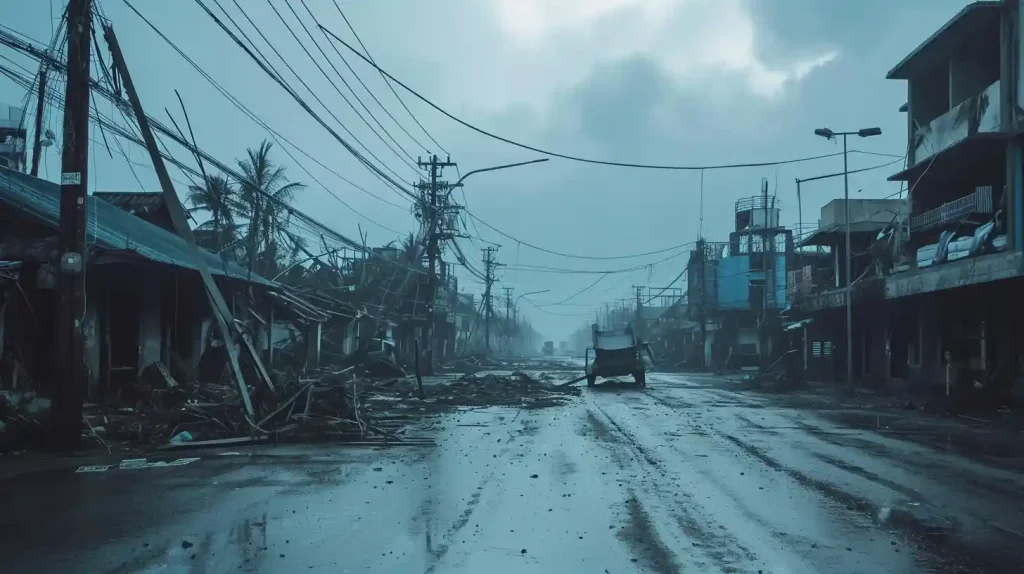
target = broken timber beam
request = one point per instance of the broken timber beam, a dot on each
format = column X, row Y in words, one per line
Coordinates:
column 221, row 311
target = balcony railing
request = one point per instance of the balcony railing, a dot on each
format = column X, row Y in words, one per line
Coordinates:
column 977, row 203
column 978, row 114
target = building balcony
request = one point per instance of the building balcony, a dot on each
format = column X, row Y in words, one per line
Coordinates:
column 979, row 115
column 970, row 206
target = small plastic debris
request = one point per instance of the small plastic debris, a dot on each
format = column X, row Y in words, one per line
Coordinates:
column 181, row 438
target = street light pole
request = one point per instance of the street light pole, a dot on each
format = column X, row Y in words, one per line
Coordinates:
column 849, row 276
column 829, row 134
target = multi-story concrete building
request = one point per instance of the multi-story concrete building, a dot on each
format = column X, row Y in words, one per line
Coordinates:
column 738, row 288
column 938, row 301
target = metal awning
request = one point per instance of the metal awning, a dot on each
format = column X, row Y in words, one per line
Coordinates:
column 798, row 325
column 829, row 235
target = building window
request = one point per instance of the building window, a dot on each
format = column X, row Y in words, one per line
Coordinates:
column 821, row 348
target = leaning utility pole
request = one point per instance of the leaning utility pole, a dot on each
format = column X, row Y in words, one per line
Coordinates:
column 37, row 143
column 489, row 266
column 433, row 213
column 70, row 345
column 229, row 330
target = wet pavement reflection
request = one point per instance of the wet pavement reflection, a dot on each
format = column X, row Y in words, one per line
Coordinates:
column 689, row 475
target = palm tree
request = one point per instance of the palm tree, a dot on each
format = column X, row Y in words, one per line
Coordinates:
column 410, row 248
column 263, row 193
column 219, row 199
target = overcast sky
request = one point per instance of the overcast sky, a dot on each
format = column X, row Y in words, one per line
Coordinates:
column 682, row 82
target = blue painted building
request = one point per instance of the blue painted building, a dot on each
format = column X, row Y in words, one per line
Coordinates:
column 738, row 288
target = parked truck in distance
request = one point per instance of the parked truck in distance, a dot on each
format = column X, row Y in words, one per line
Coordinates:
column 548, row 348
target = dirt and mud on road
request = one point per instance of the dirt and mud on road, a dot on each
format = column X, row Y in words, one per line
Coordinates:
column 688, row 475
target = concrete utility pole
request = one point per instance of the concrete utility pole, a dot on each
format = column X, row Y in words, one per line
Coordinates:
column 489, row 266
column 433, row 212
column 37, row 141
column 69, row 368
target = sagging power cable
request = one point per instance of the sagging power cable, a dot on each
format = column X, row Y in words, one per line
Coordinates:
column 567, row 156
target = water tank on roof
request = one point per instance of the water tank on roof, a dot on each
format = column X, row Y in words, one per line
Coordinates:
column 755, row 211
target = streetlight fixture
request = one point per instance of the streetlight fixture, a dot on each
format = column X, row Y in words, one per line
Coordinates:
column 829, row 134
column 515, row 307
column 434, row 217
column 495, row 168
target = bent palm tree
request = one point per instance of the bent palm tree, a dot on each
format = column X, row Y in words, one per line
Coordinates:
column 264, row 195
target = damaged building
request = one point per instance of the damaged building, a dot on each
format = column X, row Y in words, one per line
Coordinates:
column 146, row 305
column 934, row 279
column 738, row 290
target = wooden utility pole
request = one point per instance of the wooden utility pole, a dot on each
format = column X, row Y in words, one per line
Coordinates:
column 37, row 143
column 433, row 212
column 489, row 266
column 508, row 322
column 69, row 368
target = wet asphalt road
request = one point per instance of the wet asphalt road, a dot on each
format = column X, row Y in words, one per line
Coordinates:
column 686, row 476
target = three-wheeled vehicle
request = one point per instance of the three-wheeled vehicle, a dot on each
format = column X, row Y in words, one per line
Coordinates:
column 617, row 353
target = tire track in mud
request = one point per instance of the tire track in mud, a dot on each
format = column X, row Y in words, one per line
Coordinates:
column 950, row 552
column 718, row 545
column 642, row 537
column 437, row 552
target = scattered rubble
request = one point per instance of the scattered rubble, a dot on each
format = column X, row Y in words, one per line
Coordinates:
column 323, row 406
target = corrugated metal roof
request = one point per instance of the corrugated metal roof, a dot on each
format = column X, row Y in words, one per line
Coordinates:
column 132, row 200
column 111, row 227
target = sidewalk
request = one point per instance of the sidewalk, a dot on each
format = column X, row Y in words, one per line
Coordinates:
column 990, row 435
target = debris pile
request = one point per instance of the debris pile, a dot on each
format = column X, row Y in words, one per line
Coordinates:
column 339, row 406
column 515, row 390
column 23, row 415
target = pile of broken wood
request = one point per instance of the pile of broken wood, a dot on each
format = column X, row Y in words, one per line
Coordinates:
column 318, row 407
